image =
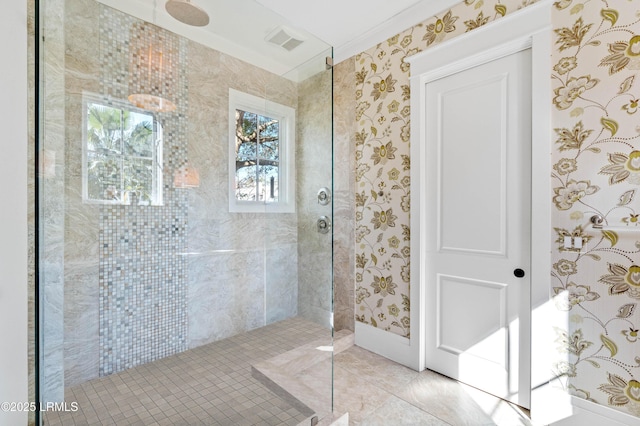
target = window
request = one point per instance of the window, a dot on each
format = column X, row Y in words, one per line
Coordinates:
column 122, row 154
column 261, row 155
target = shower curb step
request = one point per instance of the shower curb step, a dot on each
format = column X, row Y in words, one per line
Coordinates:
column 333, row 420
column 297, row 375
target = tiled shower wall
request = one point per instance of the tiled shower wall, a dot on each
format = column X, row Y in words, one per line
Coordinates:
column 140, row 282
column 314, row 249
column 31, row 206
column 51, row 256
column 241, row 266
column 125, row 280
column 142, row 295
column 344, row 119
column 142, row 276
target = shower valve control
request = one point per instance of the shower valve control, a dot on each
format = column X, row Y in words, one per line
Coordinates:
column 324, row 225
column 324, row 196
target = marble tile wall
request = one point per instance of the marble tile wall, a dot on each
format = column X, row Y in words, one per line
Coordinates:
column 31, row 204
column 225, row 295
column 214, row 274
column 240, row 266
column 282, row 285
column 81, row 318
column 142, row 273
column 113, row 298
column 53, row 200
column 142, row 293
column 344, row 119
column 314, row 159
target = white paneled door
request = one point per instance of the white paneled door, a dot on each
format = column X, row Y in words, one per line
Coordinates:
column 478, row 192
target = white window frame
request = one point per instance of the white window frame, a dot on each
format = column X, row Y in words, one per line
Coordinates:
column 286, row 168
column 158, row 184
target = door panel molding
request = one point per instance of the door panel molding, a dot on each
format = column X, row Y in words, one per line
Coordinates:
column 491, row 290
column 493, row 227
column 478, row 178
column 530, row 27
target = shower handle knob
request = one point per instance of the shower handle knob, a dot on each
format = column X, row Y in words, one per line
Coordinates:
column 323, row 225
column 324, row 196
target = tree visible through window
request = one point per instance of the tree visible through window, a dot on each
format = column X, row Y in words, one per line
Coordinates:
column 123, row 155
column 257, row 157
column 261, row 154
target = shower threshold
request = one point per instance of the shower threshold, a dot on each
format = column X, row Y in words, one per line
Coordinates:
column 304, row 376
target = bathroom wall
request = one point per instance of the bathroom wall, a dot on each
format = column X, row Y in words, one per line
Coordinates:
column 14, row 249
column 214, row 274
column 124, row 284
column 51, row 253
column 382, row 174
column 234, row 259
column 314, row 157
column 595, row 101
column 31, row 279
column 588, row 179
column 596, row 59
column 344, row 188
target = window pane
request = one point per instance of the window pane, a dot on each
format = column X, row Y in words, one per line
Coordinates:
column 104, row 177
column 104, row 130
column 138, row 134
column 269, row 183
column 124, row 155
column 269, row 138
column 260, row 157
column 246, row 183
column 138, row 178
column 246, row 125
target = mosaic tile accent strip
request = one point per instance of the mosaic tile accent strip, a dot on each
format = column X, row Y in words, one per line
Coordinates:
column 153, row 59
column 143, row 286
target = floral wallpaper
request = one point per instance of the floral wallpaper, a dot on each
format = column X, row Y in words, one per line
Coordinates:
column 596, row 171
column 382, row 160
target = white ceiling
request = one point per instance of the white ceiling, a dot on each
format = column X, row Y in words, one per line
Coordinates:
column 338, row 21
column 239, row 27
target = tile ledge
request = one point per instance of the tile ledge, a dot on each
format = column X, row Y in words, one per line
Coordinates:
column 279, row 374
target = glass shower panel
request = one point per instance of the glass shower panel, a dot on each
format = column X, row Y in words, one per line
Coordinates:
column 299, row 275
column 179, row 256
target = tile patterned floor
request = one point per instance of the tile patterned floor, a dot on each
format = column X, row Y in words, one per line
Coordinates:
column 376, row 391
column 208, row 385
column 379, row 392
column 213, row 385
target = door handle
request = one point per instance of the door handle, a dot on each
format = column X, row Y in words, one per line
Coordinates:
column 518, row 272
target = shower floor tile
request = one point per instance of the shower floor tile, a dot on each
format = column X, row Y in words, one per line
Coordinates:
column 207, row 385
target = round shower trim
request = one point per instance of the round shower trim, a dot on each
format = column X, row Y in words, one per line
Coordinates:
column 187, row 12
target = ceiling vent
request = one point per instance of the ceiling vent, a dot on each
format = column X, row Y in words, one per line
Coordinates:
column 284, row 37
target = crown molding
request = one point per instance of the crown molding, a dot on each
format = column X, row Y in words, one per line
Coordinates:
column 394, row 25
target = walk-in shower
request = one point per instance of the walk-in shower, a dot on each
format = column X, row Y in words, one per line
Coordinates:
column 179, row 190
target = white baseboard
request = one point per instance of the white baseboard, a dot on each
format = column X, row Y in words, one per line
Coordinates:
column 587, row 413
column 388, row 345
